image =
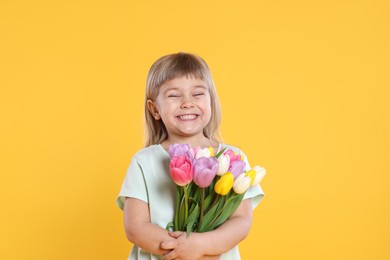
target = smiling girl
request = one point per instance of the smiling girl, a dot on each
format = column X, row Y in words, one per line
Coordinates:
column 181, row 106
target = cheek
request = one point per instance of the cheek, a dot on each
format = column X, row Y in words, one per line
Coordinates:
column 163, row 104
column 207, row 109
column 208, row 105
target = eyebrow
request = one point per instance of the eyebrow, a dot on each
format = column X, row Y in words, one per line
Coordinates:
column 176, row 88
column 169, row 89
column 201, row 86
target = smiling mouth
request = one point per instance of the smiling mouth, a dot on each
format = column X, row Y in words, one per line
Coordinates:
column 187, row 117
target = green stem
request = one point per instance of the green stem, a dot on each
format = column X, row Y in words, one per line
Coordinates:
column 185, row 204
column 227, row 200
column 215, row 200
column 201, row 209
column 177, row 210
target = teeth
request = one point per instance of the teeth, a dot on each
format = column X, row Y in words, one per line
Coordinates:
column 187, row 117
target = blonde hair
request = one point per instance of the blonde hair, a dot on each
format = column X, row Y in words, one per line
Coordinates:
column 175, row 66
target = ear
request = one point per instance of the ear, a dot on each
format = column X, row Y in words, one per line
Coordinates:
column 153, row 109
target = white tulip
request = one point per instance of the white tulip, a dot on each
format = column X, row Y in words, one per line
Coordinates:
column 241, row 183
column 205, row 152
column 223, row 164
column 260, row 173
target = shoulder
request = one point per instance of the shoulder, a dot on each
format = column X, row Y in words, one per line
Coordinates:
column 149, row 152
column 231, row 147
column 236, row 150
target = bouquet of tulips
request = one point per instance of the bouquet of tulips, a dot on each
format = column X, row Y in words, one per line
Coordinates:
column 209, row 187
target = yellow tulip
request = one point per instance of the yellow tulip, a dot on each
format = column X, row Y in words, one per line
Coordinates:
column 224, row 184
column 211, row 151
column 251, row 174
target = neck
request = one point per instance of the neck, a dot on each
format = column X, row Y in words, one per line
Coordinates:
column 193, row 141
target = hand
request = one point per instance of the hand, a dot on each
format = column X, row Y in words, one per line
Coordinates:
column 183, row 247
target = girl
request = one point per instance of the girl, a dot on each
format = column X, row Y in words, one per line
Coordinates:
column 181, row 106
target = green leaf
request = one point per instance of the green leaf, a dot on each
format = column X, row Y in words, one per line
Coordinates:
column 182, row 213
column 210, row 189
column 189, row 228
column 177, row 208
column 228, row 209
column 209, row 216
column 192, row 219
column 195, row 209
column 169, row 226
column 193, row 204
column 194, row 215
column 198, row 195
column 182, row 210
column 191, row 191
column 207, row 202
column 220, row 152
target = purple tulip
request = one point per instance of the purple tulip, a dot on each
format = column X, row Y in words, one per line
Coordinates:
column 205, row 170
column 181, row 149
column 237, row 167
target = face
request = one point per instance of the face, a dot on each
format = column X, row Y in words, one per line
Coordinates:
column 184, row 105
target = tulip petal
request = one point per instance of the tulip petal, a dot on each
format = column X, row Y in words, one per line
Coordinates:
column 224, row 184
column 260, row 173
column 205, row 170
column 181, row 170
column 237, row 167
column 241, row 183
column 223, row 164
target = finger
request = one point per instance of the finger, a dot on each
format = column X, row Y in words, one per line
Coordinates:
column 176, row 234
column 168, row 244
column 171, row 255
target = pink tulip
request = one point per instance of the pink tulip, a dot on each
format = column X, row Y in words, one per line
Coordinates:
column 233, row 156
column 181, row 169
column 205, row 170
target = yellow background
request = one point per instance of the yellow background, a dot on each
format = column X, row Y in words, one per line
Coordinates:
column 304, row 87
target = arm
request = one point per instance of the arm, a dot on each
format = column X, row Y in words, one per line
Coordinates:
column 140, row 231
column 215, row 242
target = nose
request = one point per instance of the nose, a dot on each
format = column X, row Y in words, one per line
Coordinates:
column 186, row 103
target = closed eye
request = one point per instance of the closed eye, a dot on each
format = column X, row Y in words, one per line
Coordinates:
column 198, row 94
